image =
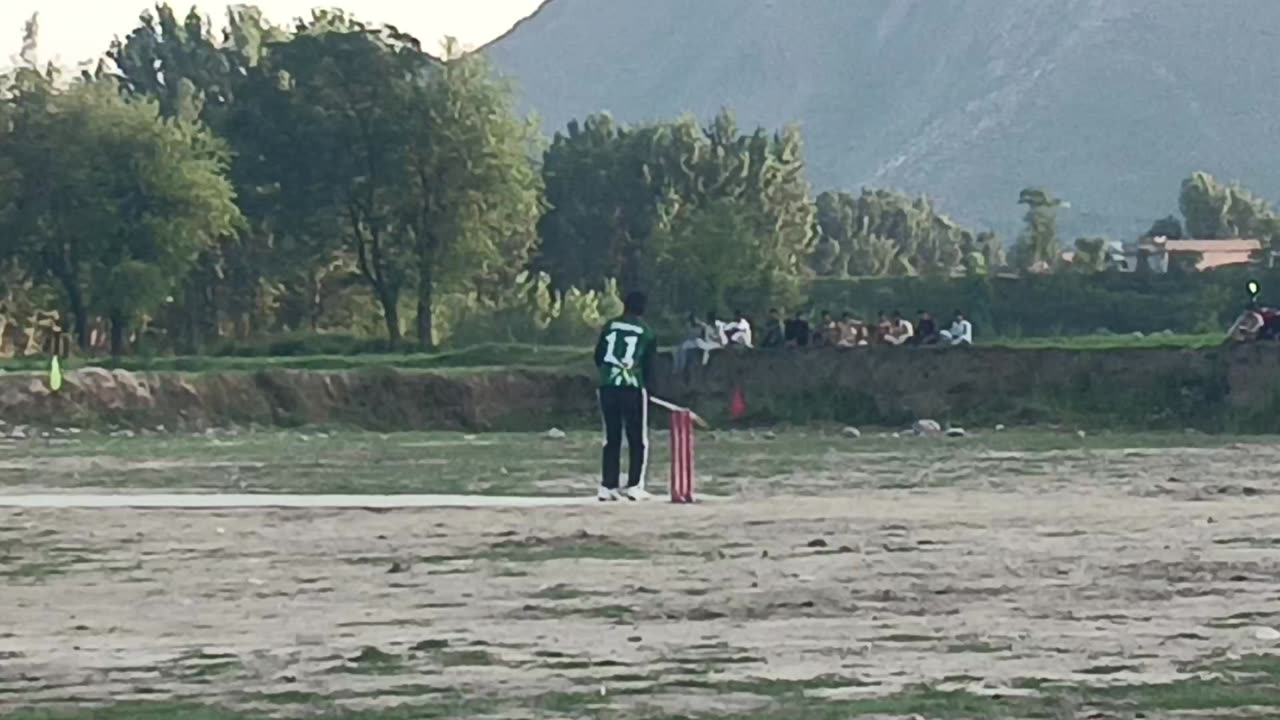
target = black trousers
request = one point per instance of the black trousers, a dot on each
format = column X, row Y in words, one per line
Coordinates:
column 624, row 409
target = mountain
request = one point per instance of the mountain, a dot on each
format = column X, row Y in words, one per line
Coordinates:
column 1107, row 103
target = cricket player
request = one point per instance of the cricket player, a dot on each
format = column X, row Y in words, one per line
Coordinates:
column 625, row 357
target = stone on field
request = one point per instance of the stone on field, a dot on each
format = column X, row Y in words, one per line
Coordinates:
column 851, row 432
column 926, row 427
column 770, row 435
column 955, row 432
column 1081, row 434
column 556, row 434
column 1000, row 428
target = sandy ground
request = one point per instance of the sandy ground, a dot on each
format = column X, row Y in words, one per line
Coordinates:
column 1100, row 578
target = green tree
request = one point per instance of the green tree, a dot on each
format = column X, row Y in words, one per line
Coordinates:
column 347, row 98
column 1038, row 245
column 601, row 204
column 114, row 203
column 1090, row 255
column 882, row 232
column 1168, row 227
column 473, row 195
column 718, row 256
column 1215, row 211
column 191, row 73
column 612, row 191
column 982, row 254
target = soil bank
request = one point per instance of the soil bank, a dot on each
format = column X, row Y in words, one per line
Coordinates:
column 1228, row 388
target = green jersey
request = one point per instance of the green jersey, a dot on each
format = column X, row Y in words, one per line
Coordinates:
column 625, row 353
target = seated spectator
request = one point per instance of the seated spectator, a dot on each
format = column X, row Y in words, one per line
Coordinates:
column 926, row 330
column 883, row 328
column 827, row 334
column 738, row 332
column 695, row 332
column 900, row 330
column 961, row 332
column 775, row 335
column 796, row 332
column 850, row 331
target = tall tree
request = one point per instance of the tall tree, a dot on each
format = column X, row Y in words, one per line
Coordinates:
column 192, row 73
column 612, row 191
column 347, row 93
column 1038, row 246
column 882, row 232
column 114, row 203
column 474, row 195
column 601, row 205
column 1216, row 211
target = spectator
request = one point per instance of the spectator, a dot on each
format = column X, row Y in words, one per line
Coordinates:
column 714, row 330
column 926, row 330
column 961, row 332
column 738, row 332
column 695, row 333
column 775, row 335
column 900, row 330
column 828, row 332
column 797, row 331
column 850, row 331
column 883, row 328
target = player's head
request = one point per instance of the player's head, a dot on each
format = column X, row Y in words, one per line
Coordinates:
column 635, row 303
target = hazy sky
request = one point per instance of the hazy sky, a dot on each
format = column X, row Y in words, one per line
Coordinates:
column 73, row 31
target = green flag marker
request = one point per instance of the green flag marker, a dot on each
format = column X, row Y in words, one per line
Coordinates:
column 55, row 375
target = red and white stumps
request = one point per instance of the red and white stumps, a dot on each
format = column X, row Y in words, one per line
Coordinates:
column 681, row 456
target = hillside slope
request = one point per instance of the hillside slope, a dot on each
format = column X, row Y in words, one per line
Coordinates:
column 1108, row 103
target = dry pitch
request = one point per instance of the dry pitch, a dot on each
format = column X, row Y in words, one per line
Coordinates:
column 1000, row 575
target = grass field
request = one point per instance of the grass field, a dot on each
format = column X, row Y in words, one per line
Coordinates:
column 532, row 356
column 1003, row 575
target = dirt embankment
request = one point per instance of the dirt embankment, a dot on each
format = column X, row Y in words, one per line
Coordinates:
column 376, row 399
column 1227, row 388
column 1217, row 389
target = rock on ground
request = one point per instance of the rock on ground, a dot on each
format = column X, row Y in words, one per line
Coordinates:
column 926, row 427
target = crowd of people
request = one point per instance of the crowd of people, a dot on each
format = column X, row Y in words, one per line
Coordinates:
column 710, row 334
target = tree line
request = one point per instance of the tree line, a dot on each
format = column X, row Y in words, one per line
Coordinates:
column 334, row 176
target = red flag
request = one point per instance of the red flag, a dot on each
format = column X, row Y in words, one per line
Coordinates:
column 737, row 404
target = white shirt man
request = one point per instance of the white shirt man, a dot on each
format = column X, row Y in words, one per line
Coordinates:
column 738, row 332
column 900, row 330
column 961, row 332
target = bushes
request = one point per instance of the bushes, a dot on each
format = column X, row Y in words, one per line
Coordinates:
column 1057, row 305
column 305, row 344
column 530, row 312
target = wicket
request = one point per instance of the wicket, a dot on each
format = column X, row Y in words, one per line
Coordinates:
column 681, row 456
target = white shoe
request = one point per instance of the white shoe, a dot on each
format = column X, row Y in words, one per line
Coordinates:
column 604, row 494
column 636, row 493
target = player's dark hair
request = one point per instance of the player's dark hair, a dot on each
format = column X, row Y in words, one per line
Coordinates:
column 635, row 303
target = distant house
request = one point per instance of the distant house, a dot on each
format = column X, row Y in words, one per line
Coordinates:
column 1160, row 253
